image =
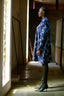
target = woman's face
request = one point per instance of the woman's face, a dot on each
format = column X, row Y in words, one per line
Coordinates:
column 39, row 13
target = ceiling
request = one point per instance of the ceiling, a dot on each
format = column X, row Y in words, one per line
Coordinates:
column 50, row 1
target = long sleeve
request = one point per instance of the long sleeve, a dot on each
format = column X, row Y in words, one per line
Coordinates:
column 35, row 48
column 43, row 35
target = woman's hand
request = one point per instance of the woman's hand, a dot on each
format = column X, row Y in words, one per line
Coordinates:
column 38, row 52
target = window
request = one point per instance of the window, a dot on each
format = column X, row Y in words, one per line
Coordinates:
column 6, row 42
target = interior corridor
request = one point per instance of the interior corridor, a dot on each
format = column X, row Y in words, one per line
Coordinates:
column 31, row 76
column 18, row 22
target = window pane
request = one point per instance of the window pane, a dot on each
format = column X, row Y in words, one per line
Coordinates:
column 6, row 42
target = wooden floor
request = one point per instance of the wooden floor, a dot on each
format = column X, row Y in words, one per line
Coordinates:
column 30, row 76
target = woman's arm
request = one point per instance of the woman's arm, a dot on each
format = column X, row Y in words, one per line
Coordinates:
column 34, row 50
column 43, row 35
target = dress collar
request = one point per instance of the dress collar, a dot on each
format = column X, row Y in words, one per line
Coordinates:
column 43, row 18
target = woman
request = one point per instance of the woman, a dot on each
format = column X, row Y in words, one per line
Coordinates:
column 42, row 46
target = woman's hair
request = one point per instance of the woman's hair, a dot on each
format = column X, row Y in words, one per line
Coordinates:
column 45, row 9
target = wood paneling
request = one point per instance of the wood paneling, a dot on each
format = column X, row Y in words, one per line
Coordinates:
column 57, row 55
column 50, row 1
column 47, row 1
column 51, row 4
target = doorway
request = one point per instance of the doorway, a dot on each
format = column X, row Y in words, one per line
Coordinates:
column 55, row 13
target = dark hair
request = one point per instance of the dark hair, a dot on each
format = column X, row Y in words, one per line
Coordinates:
column 44, row 9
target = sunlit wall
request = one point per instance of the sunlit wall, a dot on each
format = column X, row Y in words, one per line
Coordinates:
column 27, row 33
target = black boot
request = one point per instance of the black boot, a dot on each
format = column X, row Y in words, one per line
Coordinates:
column 38, row 87
column 44, row 78
column 43, row 87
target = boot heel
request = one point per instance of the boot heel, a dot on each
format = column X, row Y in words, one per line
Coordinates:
column 46, row 89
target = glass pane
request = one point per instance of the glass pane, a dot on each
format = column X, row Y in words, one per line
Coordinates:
column 6, row 42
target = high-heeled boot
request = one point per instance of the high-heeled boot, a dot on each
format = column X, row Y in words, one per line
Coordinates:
column 39, row 86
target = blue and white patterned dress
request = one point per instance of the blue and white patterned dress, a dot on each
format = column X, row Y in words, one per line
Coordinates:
column 42, row 42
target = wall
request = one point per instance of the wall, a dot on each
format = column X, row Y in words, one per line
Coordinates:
column 16, row 14
column 53, row 17
column 19, row 10
column 23, row 18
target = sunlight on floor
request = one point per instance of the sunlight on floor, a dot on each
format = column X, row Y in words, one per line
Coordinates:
column 34, row 63
column 32, row 78
column 24, row 89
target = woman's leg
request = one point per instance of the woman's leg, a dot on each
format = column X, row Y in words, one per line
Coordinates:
column 45, row 73
column 44, row 78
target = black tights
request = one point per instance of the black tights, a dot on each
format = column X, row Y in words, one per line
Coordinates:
column 45, row 73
